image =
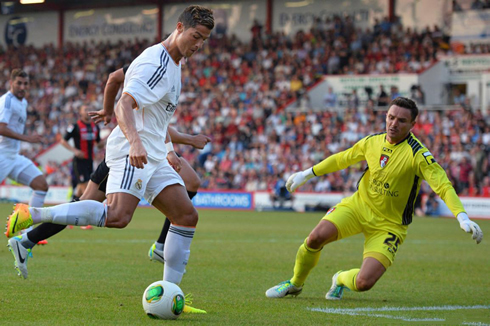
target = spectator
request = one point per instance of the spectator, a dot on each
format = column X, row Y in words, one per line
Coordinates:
column 458, row 96
column 383, row 99
column 330, row 99
column 280, row 194
column 432, row 205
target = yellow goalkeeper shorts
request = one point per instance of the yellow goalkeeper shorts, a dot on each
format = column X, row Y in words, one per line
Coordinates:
column 382, row 238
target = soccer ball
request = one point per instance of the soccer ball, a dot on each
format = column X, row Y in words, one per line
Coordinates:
column 163, row 300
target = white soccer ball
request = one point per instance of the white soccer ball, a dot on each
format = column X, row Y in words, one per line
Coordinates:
column 163, row 300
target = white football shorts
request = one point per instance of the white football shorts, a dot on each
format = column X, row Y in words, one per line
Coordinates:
column 147, row 182
column 18, row 168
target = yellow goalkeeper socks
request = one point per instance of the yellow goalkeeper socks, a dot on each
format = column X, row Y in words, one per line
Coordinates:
column 348, row 279
column 306, row 259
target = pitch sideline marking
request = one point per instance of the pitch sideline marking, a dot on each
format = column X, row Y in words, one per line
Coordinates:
column 366, row 311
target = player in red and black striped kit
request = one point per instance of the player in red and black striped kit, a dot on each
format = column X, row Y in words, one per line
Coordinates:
column 86, row 136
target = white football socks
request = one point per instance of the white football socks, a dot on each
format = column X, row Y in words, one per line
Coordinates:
column 82, row 213
column 176, row 252
column 37, row 198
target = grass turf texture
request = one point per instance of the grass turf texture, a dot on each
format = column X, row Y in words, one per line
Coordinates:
column 97, row 277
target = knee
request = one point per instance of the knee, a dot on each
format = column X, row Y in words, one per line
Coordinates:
column 40, row 185
column 188, row 219
column 118, row 220
column 315, row 240
column 364, row 283
column 44, row 186
column 193, row 183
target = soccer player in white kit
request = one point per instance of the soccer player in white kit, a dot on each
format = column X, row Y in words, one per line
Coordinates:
column 13, row 115
column 136, row 152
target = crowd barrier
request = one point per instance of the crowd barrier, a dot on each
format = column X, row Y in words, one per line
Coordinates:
column 476, row 207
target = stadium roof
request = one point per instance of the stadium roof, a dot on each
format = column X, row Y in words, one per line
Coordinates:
column 76, row 4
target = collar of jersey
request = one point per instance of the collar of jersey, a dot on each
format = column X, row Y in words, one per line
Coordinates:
column 401, row 141
column 176, row 64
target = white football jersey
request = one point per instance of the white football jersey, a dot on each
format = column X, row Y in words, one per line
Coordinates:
column 153, row 80
column 13, row 112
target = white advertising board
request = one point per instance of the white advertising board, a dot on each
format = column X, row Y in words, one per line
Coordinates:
column 22, row 194
column 467, row 63
column 291, row 16
column 301, row 200
column 36, row 29
column 476, row 207
column 232, row 17
column 111, row 24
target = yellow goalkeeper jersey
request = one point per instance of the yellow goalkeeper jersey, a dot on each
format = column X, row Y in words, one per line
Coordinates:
column 391, row 182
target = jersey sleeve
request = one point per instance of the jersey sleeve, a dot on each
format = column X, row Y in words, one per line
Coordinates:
column 436, row 177
column 147, row 82
column 342, row 160
column 97, row 138
column 5, row 109
column 70, row 132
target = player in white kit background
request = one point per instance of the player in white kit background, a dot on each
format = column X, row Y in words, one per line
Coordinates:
column 137, row 150
column 13, row 116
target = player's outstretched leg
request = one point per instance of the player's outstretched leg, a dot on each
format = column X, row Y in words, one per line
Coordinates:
column 306, row 260
column 42, row 232
column 88, row 212
column 21, row 255
column 336, row 291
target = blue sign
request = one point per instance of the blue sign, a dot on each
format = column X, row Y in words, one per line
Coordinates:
column 224, row 200
column 218, row 200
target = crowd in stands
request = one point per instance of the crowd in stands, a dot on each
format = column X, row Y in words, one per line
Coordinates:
column 235, row 92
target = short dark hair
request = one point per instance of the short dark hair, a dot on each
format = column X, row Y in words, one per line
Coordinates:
column 17, row 72
column 406, row 103
column 197, row 15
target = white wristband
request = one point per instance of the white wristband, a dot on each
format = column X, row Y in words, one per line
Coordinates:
column 462, row 217
column 308, row 173
column 170, row 147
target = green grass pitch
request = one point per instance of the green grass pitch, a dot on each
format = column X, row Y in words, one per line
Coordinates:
column 97, row 277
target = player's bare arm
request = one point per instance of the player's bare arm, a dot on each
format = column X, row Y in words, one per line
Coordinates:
column 114, row 83
column 172, row 157
column 125, row 117
column 78, row 153
column 196, row 141
column 7, row 132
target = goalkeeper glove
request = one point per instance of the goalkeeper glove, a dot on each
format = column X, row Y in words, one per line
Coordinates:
column 470, row 227
column 298, row 179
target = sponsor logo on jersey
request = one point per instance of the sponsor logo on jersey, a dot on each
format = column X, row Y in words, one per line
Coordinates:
column 383, row 160
column 387, row 150
column 382, row 188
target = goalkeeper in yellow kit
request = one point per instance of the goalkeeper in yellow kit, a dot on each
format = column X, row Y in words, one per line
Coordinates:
column 381, row 208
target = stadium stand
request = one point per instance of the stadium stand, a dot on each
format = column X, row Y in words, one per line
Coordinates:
column 235, row 92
